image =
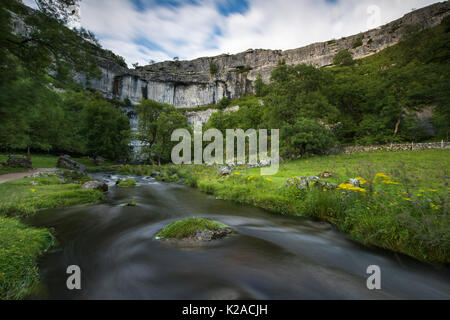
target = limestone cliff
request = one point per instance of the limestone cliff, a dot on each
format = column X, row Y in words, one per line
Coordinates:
column 204, row 81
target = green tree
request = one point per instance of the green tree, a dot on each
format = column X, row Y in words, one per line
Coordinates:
column 157, row 121
column 297, row 92
column 259, row 86
column 107, row 129
column 343, row 58
column 305, row 136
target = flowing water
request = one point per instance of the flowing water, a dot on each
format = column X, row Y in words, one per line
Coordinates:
column 270, row 256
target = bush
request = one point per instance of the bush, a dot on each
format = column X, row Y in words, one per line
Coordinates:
column 343, row 58
column 305, row 136
column 357, row 43
column 213, row 69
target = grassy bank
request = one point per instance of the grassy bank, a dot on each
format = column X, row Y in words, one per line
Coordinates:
column 49, row 161
column 21, row 245
column 402, row 204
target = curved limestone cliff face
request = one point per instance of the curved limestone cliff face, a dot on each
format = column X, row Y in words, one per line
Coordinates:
column 204, row 81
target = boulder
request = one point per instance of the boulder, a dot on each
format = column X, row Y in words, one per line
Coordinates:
column 67, row 163
column 224, row 171
column 325, row 175
column 99, row 159
column 95, row 185
column 354, row 182
column 21, row 162
column 155, row 174
column 302, row 182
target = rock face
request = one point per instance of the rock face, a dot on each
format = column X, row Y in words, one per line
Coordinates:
column 95, row 185
column 204, row 81
column 67, row 163
column 20, row 162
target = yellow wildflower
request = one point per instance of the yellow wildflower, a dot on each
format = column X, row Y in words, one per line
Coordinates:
column 433, row 190
column 250, row 178
column 361, row 180
column 382, row 175
column 237, row 173
column 268, row 179
column 419, row 195
column 407, row 199
column 33, row 190
column 433, row 206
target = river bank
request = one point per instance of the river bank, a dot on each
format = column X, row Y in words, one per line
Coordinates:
column 22, row 245
column 401, row 206
column 268, row 256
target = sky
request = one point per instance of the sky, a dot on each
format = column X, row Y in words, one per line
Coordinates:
column 159, row 30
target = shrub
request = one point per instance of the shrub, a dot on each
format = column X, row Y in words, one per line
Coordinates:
column 213, row 69
column 357, row 43
column 305, row 136
column 343, row 58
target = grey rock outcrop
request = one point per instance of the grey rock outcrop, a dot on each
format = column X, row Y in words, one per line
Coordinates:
column 67, row 163
column 224, row 171
column 188, row 84
column 19, row 161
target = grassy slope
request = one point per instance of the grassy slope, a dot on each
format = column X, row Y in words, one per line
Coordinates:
column 20, row 245
column 410, row 217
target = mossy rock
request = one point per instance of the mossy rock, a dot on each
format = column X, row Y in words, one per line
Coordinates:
column 127, row 183
column 197, row 229
column 132, row 203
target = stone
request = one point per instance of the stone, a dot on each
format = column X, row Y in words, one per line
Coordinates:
column 325, row 175
column 67, row 163
column 100, row 159
column 20, row 162
column 354, row 182
column 208, row 235
column 224, row 171
column 155, row 174
column 95, row 185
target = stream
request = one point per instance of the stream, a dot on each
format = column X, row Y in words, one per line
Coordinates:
column 270, row 257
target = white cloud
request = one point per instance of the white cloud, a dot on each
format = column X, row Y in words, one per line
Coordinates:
column 189, row 30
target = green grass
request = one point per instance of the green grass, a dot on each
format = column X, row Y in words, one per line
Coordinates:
column 127, row 183
column 20, row 246
column 187, row 227
column 21, row 197
column 406, row 213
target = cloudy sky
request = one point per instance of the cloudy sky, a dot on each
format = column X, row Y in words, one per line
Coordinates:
column 144, row 30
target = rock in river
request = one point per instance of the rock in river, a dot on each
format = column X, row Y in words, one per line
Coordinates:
column 95, row 185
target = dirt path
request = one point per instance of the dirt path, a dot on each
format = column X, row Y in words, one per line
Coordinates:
column 20, row 175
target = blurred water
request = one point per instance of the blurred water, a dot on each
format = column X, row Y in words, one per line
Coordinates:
column 270, row 257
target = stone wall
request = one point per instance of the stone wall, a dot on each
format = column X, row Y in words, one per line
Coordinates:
column 396, row 147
